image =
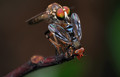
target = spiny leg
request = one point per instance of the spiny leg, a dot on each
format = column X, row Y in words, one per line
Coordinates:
column 48, row 35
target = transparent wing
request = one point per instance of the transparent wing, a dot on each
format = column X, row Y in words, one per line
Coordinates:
column 76, row 25
column 59, row 32
column 37, row 18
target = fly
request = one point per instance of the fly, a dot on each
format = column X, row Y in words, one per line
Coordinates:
column 64, row 30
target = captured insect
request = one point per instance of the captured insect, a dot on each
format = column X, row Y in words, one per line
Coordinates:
column 64, row 30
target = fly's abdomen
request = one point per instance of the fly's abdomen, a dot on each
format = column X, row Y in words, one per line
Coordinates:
column 69, row 29
column 76, row 44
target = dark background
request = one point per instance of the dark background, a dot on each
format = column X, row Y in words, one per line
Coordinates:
column 19, row 41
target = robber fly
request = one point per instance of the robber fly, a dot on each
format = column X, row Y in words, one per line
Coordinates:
column 64, row 32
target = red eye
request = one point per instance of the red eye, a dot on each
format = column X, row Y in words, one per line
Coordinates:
column 60, row 13
column 67, row 9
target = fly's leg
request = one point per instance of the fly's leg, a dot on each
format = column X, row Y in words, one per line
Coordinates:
column 48, row 35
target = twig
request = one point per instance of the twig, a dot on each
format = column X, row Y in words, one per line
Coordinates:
column 38, row 62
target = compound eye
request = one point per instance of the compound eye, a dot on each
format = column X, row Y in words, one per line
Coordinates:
column 60, row 14
column 67, row 9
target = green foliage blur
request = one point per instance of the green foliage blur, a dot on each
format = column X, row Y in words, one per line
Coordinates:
column 73, row 68
column 114, row 37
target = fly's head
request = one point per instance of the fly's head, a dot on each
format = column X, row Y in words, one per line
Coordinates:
column 58, row 13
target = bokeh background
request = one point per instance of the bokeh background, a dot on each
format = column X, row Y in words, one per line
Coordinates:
column 100, row 21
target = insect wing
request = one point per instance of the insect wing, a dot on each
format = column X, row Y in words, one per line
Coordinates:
column 76, row 25
column 59, row 32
